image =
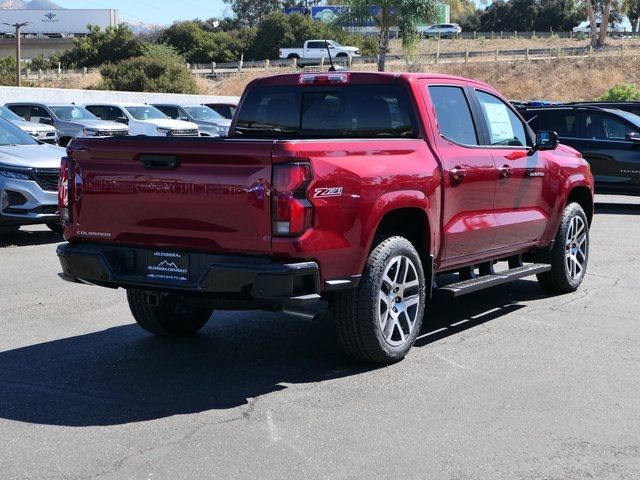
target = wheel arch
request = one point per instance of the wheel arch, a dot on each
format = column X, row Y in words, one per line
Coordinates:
column 582, row 196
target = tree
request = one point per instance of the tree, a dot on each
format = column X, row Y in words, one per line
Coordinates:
column 632, row 11
column 598, row 39
column 101, row 46
column 558, row 15
column 251, row 12
column 404, row 14
column 159, row 69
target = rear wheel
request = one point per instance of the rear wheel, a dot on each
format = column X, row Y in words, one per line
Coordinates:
column 166, row 319
column 570, row 253
column 380, row 320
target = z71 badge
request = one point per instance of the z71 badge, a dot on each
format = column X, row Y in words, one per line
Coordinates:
column 328, row 192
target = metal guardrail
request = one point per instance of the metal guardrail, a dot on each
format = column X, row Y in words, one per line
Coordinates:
column 216, row 69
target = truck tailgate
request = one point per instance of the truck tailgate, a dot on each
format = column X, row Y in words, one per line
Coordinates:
column 182, row 193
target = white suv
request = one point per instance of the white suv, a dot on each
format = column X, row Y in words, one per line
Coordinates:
column 143, row 119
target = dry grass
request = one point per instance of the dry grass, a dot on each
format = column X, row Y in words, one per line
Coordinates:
column 568, row 79
column 87, row 81
column 483, row 44
column 564, row 79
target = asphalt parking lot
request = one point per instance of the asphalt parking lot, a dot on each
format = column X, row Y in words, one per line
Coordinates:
column 505, row 383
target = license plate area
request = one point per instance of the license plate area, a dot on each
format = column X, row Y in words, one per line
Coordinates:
column 167, row 266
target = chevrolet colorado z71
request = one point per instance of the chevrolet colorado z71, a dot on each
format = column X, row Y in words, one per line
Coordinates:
column 361, row 189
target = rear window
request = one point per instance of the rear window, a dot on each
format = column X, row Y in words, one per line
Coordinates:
column 356, row 111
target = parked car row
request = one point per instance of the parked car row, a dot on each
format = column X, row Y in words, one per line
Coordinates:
column 607, row 135
column 58, row 123
column 30, row 133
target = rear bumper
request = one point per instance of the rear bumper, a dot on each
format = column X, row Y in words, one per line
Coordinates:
column 221, row 277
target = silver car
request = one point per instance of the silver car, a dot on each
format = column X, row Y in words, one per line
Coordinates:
column 69, row 120
column 210, row 123
column 28, row 180
column 39, row 131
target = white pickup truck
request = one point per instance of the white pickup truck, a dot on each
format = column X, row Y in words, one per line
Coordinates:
column 317, row 49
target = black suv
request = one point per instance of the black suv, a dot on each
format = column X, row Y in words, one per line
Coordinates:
column 631, row 107
column 609, row 139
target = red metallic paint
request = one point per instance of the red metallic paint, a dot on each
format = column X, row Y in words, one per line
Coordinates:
column 218, row 200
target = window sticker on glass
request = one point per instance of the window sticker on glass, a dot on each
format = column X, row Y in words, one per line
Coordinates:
column 499, row 122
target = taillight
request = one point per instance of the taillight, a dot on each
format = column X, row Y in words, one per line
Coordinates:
column 291, row 211
column 63, row 189
column 69, row 187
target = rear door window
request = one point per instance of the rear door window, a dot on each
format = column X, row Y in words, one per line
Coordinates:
column 453, row 114
column 356, row 111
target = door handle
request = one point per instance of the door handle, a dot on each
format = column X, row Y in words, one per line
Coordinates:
column 457, row 173
column 505, row 171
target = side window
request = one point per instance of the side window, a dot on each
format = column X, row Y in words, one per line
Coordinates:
column 39, row 113
column 20, row 110
column 505, row 128
column 618, row 130
column 315, row 45
column 453, row 114
column 563, row 122
column 97, row 111
column 114, row 112
column 168, row 111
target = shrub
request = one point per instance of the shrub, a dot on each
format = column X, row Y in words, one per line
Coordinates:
column 620, row 93
column 102, row 46
column 161, row 69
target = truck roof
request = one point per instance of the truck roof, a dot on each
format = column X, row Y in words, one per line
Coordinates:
column 369, row 77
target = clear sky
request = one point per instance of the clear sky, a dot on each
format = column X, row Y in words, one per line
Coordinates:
column 161, row 12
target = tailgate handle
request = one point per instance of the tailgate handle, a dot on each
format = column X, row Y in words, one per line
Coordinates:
column 160, row 162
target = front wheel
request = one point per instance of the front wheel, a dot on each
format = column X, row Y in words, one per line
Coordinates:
column 570, row 253
column 380, row 320
column 166, row 319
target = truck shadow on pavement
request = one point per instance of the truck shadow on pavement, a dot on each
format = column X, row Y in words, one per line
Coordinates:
column 617, row 208
column 26, row 238
column 122, row 375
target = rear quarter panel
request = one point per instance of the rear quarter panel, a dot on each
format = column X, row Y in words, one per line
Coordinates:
column 376, row 177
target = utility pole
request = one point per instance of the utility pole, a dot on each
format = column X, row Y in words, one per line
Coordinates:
column 18, row 26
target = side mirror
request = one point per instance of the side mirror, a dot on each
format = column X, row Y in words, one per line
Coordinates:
column 124, row 120
column 547, row 141
column 184, row 119
column 633, row 137
column 47, row 121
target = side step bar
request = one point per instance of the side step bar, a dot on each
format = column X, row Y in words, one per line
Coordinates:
column 491, row 280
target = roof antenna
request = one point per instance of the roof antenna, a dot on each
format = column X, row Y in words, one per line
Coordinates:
column 332, row 68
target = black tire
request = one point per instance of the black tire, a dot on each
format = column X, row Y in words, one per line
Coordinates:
column 166, row 320
column 292, row 56
column 341, row 55
column 56, row 227
column 560, row 279
column 357, row 312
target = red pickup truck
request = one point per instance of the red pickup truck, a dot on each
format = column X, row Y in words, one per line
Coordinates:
column 365, row 190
